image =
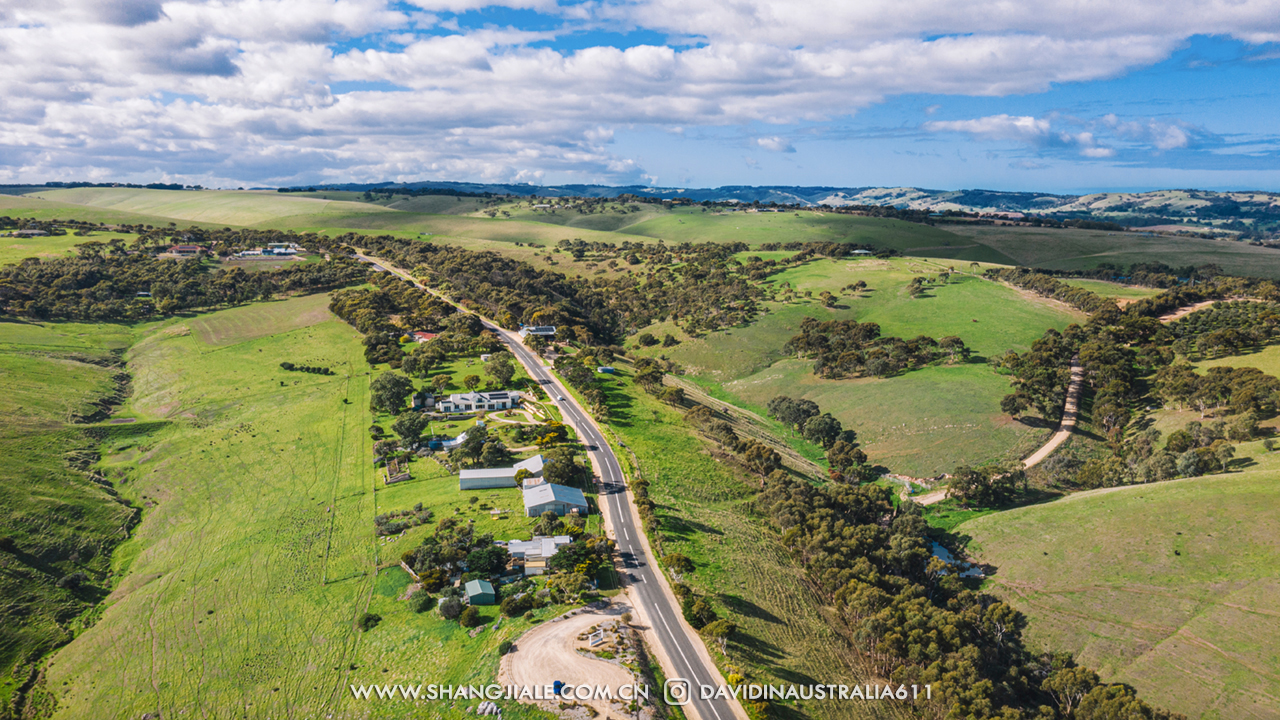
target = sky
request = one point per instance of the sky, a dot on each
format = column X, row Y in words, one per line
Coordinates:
column 1061, row 96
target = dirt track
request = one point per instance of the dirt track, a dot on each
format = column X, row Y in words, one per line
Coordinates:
column 549, row 652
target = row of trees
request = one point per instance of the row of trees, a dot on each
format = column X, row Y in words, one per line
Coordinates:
column 134, row 286
column 847, row 462
column 1050, row 287
column 847, row 348
column 918, row 622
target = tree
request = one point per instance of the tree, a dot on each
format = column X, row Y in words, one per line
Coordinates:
column 421, row 601
column 389, row 391
column 471, row 382
column 548, row 524
column 470, row 617
column 721, row 631
column 368, row 621
column 410, row 425
column 489, row 560
column 791, row 411
column 1068, row 686
column 672, row 395
column 500, row 368
column 669, row 340
column 517, row 605
column 494, row 454
column 678, row 562
column 440, row 382
column 450, row 608
column 647, row 340
column 822, row 430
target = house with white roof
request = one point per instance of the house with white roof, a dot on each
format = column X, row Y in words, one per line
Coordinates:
column 536, row 552
column 478, row 401
column 485, row 478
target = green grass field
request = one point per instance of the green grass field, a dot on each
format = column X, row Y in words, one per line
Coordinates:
column 921, row 423
column 693, row 225
column 1170, row 587
column 1070, row 249
column 16, row 249
column 256, row 552
column 230, row 207
column 1113, row 290
column 784, row 635
column 55, row 520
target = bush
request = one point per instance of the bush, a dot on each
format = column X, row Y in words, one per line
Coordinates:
column 514, row 606
column 626, row 618
column 529, row 616
column 368, row 621
column 504, row 647
column 647, row 340
column 421, row 601
column 433, row 580
column 678, row 562
column 72, row 581
column 470, row 617
column 451, row 608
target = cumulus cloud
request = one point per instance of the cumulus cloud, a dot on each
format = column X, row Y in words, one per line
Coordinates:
column 1097, row 138
column 776, row 144
column 257, row 91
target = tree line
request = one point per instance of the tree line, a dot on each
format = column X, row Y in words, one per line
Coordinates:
column 917, row 622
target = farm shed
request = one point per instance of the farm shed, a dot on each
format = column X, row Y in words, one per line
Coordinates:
column 559, row 499
column 498, row 477
column 480, row 592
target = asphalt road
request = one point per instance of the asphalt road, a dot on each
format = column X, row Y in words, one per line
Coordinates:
column 638, row 567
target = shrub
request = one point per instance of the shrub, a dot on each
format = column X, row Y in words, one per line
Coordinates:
column 678, row 562
column 433, row 580
column 368, row 621
column 626, row 618
column 421, row 601
column 504, row 647
column 72, row 581
column 451, row 608
column 514, row 606
column 529, row 616
column 470, row 617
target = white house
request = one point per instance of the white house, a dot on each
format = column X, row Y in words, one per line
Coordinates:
column 547, row 331
column 485, row 478
column 536, row 552
column 478, row 401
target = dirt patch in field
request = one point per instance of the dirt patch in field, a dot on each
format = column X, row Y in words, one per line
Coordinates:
column 557, row 650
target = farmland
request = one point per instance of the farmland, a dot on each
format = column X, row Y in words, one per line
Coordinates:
column 784, row 634
column 902, row 421
column 56, row 521
column 1170, row 587
column 256, row 552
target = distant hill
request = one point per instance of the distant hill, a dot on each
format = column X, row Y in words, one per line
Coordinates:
column 1243, row 212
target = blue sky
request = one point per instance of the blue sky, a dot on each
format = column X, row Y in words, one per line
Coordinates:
column 958, row 94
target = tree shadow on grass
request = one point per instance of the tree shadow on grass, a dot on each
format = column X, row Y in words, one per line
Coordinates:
column 683, row 527
column 758, row 650
column 745, row 607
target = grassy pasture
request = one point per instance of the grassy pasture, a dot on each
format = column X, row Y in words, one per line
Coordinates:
column 230, row 207
column 259, row 320
column 784, row 635
column 693, row 225
column 16, row 249
column 57, row 520
column 32, row 207
column 1170, row 587
column 256, row 552
column 1113, row 290
column 922, row 423
column 1006, row 318
column 1070, row 249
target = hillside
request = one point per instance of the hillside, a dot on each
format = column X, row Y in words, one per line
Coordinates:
column 1170, row 587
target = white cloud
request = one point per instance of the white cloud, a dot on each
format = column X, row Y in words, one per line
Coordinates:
column 776, row 144
column 247, row 90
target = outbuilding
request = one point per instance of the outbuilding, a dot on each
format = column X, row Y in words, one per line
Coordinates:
column 484, row 478
column 480, row 592
column 559, row 499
